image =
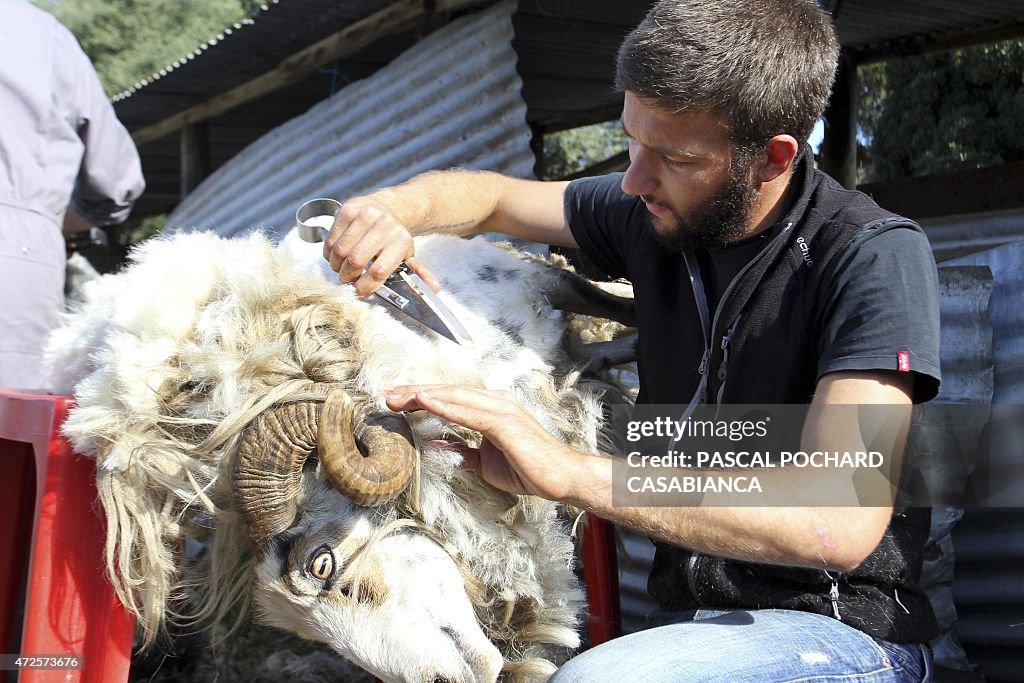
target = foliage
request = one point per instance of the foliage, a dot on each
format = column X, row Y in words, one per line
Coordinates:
column 570, row 151
column 941, row 112
column 135, row 231
column 128, row 40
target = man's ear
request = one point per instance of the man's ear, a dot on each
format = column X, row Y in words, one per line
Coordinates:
column 777, row 158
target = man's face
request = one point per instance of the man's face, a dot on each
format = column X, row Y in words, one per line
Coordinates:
column 684, row 168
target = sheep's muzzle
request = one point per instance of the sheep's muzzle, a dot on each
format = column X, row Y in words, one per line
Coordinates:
column 368, row 456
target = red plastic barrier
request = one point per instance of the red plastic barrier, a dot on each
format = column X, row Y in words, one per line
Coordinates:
column 601, row 573
column 52, row 581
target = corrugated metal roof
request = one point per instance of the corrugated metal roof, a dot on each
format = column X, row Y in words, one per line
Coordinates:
column 207, row 44
column 451, row 100
column 565, row 51
column 238, row 54
column 567, row 39
column 906, row 25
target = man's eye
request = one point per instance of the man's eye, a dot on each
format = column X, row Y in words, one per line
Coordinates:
column 673, row 162
column 322, row 564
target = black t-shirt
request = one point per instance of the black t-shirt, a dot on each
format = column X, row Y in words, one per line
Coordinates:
column 875, row 309
column 841, row 285
column 719, row 266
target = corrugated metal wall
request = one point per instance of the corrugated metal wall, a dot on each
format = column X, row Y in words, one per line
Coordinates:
column 989, row 542
column 967, row 378
column 1007, row 312
column 453, row 99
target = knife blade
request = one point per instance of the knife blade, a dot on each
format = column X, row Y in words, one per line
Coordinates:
column 406, row 291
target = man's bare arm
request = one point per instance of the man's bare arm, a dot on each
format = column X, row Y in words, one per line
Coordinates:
column 519, row 456
column 795, row 529
column 379, row 227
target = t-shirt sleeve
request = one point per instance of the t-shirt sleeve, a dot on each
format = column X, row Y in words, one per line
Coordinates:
column 882, row 310
column 602, row 220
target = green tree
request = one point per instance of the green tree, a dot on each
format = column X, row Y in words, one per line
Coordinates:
column 576, row 149
column 945, row 111
column 129, row 40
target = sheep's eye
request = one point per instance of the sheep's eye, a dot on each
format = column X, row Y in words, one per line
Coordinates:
column 322, row 564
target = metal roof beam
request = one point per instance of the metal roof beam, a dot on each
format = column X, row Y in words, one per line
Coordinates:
column 997, row 188
column 346, row 42
column 919, row 45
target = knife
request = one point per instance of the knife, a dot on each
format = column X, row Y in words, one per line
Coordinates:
column 404, row 290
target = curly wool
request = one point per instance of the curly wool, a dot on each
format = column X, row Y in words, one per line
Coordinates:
column 172, row 358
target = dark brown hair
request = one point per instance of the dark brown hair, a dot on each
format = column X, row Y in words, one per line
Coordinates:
column 764, row 66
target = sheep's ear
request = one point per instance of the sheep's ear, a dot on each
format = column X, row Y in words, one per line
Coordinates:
column 570, row 292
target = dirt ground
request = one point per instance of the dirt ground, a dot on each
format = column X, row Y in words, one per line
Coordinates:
column 256, row 654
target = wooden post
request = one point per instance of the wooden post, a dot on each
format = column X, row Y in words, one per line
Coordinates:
column 195, row 155
column 839, row 148
column 537, row 147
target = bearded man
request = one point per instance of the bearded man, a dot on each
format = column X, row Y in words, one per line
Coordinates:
column 758, row 280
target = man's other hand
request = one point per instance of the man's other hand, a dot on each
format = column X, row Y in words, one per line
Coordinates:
column 517, row 455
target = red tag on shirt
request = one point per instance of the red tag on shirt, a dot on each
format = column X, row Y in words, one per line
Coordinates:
column 903, row 361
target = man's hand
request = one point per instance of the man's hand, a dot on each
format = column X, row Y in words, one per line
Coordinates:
column 518, row 455
column 373, row 234
column 368, row 242
column 75, row 223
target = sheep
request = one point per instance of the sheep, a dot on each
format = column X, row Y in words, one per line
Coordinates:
column 231, row 390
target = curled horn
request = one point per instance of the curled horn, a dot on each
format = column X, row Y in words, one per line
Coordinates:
column 275, row 446
column 268, row 470
column 368, row 457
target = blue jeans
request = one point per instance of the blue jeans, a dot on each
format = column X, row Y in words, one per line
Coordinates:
column 736, row 646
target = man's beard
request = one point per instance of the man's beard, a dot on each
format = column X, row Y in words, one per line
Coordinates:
column 719, row 222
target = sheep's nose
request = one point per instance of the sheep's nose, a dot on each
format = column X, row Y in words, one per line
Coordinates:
column 440, row 678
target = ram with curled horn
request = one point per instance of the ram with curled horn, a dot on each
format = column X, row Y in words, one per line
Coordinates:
column 232, row 390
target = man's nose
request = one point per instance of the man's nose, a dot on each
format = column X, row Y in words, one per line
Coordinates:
column 639, row 178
